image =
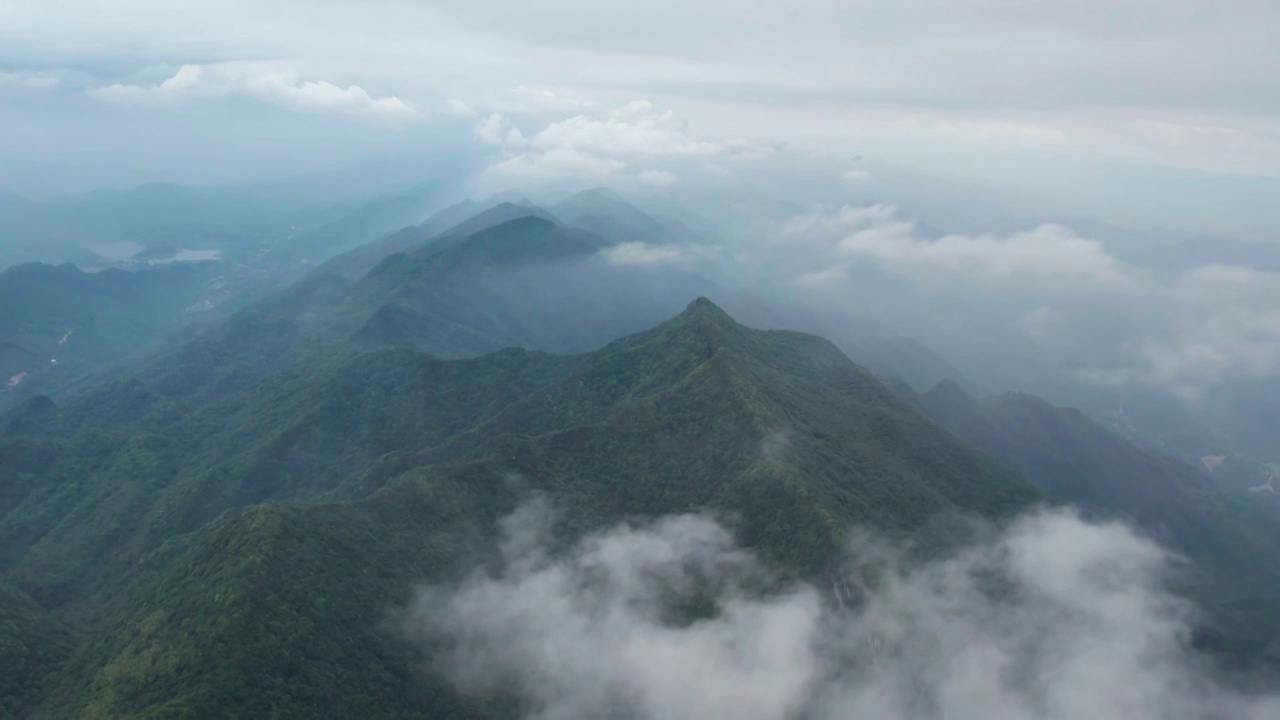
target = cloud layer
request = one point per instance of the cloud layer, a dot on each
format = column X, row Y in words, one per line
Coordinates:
column 1052, row 618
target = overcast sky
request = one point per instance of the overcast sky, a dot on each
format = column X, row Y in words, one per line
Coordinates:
column 1057, row 96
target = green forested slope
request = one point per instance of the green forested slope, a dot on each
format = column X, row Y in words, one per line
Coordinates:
column 234, row 554
column 33, row 647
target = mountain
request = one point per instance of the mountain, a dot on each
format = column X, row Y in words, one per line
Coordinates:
column 1232, row 537
column 118, row 223
column 497, row 215
column 59, row 325
column 355, row 229
column 234, row 550
column 1073, row 459
column 33, row 646
column 563, row 301
column 458, row 220
column 607, row 214
column 527, row 282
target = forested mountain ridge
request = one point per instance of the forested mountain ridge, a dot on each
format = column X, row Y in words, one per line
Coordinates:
column 164, row 525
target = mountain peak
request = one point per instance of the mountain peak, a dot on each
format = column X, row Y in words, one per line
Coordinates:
column 500, row 214
column 707, row 312
column 702, row 304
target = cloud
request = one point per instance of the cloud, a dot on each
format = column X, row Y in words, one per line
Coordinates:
column 556, row 164
column 541, row 98
column 1067, row 312
column 635, row 130
column 29, row 80
column 857, row 175
column 1048, row 251
column 595, row 145
column 638, row 253
column 822, row 226
column 1051, row 618
column 276, row 86
column 834, row 275
column 774, row 446
column 496, row 130
column 1218, row 324
column 1190, row 88
column 657, row 178
column 459, row 108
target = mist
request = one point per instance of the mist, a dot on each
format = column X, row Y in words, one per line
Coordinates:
column 1050, row 617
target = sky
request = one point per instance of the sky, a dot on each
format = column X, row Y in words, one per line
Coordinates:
column 1140, row 107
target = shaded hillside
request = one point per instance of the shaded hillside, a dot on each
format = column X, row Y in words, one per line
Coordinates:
column 458, row 220
column 605, row 213
column 60, row 324
column 1073, row 459
column 366, row 224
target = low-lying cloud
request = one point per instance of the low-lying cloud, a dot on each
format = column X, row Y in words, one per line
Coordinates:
column 1051, row 618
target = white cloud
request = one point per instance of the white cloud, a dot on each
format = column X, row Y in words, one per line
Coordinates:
column 1053, row 618
column 876, row 232
column 1190, row 88
column 834, row 275
column 459, row 108
column 556, row 164
column 1078, row 308
column 29, row 80
column 638, row 253
column 542, row 98
column 635, row 130
column 277, row 86
column 824, row 227
column 657, row 178
column 1219, row 324
column 1049, row 251
column 602, row 144
column 857, row 175
column 489, row 130
column 496, row 130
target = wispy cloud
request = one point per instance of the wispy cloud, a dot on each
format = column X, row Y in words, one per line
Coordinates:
column 281, row 87
column 658, row 178
column 29, row 80
column 638, row 253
